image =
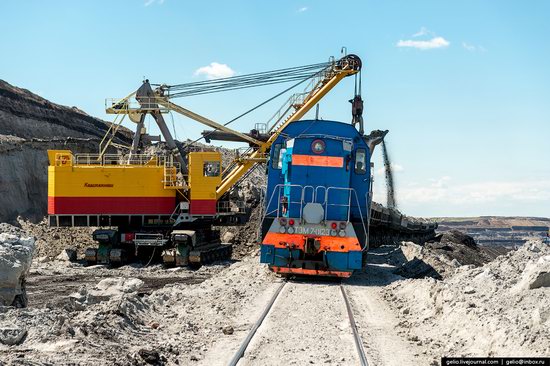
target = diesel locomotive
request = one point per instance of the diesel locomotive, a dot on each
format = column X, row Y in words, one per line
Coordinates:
column 319, row 216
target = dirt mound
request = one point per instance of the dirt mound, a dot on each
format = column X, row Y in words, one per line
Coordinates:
column 245, row 238
column 51, row 241
column 456, row 237
column 498, row 309
column 440, row 257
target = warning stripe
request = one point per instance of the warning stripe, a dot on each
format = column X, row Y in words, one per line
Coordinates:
column 111, row 205
column 317, row 160
column 297, row 241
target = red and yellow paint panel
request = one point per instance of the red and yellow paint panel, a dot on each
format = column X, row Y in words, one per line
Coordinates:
column 106, row 189
column 204, row 179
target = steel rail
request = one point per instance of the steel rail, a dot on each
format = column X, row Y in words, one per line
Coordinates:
column 356, row 336
column 240, row 352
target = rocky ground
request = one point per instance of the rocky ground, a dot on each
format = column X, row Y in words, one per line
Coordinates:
column 132, row 315
column 138, row 315
column 498, row 309
column 51, row 241
column 438, row 258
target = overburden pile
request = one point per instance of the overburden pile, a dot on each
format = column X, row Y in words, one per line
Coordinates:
column 501, row 308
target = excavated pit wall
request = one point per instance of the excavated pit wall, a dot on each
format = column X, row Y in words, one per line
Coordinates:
column 29, row 126
column 24, row 174
column 27, row 115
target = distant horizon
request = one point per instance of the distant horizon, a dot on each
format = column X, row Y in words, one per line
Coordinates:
column 489, row 216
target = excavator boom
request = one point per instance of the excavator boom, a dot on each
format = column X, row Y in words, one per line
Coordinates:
column 347, row 66
column 155, row 102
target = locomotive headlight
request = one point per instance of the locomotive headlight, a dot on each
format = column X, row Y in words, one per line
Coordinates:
column 342, row 233
column 282, row 229
column 333, row 232
column 290, row 230
column 318, row 146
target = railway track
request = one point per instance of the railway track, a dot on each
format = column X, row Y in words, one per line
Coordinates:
column 356, row 337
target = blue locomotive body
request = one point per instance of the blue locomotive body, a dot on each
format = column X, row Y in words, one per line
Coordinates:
column 317, row 200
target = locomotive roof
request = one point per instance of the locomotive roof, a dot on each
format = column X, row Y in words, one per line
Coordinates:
column 321, row 127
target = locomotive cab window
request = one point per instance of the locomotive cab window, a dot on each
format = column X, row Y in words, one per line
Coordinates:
column 276, row 160
column 211, row 168
column 360, row 161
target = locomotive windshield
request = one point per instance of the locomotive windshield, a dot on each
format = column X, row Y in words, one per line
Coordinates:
column 360, row 161
column 276, row 157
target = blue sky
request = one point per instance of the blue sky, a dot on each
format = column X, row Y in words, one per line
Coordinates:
column 463, row 86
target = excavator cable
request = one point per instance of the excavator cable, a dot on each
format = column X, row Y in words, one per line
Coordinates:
column 258, row 75
column 256, row 107
column 244, row 81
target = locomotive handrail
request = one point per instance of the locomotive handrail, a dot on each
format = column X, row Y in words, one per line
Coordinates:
column 316, row 194
column 337, row 204
column 278, row 189
column 325, row 204
column 304, row 189
column 362, row 221
column 263, row 210
column 351, row 190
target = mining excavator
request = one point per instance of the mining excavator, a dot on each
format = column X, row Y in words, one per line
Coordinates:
column 167, row 204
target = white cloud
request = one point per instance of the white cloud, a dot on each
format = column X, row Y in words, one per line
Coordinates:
column 151, row 2
column 430, row 41
column 442, row 191
column 468, row 46
column 444, row 196
column 436, row 42
column 473, row 48
column 302, row 9
column 215, row 71
column 422, row 32
column 441, row 182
